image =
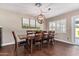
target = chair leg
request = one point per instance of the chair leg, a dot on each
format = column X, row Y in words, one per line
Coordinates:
column 15, row 49
column 48, row 42
column 26, row 45
column 41, row 44
column 31, row 46
column 52, row 42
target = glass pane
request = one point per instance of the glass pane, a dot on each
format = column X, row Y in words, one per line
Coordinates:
column 77, row 27
column 25, row 23
column 77, row 22
column 38, row 25
column 32, row 23
column 77, row 19
column 77, row 32
column 52, row 25
column 63, row 26
column 58, row 29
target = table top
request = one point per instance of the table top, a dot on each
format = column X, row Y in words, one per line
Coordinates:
column 29, row 36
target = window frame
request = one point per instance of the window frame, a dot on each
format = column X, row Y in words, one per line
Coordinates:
column 35, row 27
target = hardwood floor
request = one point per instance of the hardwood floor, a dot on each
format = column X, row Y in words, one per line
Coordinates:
column 59, row 49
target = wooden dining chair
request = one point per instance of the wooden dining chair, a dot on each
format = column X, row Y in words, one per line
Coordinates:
column 51, row 37
column 30, row 38
column 30, row 32
column 18, row 40
column 38, row 38
column 45, row 38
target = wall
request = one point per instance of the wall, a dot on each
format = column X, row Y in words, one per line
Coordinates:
column 66, row 37
column 10, row 21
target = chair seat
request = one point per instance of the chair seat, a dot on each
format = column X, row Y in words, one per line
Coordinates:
column 22, row 36
column 22, row 43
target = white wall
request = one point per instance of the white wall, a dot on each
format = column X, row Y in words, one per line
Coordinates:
column 9, row 21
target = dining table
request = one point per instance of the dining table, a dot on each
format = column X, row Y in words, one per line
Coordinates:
column 29, row 37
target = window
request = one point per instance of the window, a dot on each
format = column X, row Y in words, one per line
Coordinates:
column 59, row 26
column 30, row 23
column 25, row 23
column 52, row 25
column 38, row 25
column 63, row 26
column 77, row 27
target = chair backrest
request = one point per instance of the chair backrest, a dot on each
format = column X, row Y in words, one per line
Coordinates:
column 51, row 33
column 20, row 32
column 45, row 35
column 14, row 37
column 44, row 31
column 30, row 32
column 39, row 35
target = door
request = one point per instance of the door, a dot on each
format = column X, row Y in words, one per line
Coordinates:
column 76, row 30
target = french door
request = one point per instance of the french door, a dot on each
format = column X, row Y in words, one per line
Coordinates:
column 76, row 30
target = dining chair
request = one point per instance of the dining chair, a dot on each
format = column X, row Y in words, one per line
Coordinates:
column 30, row 32
column 38, row 38
column 30, row 38
column 51, row 37
column 45, row 38
column 19, row 40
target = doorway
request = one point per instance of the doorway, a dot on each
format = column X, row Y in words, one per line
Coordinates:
column 76, row 30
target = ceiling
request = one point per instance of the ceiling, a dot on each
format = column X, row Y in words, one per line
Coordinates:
column 32, row 10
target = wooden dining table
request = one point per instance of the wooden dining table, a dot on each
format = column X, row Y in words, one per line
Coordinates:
column 29, row 37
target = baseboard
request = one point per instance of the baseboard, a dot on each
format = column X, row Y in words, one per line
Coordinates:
column 64, row 41
column 55, row 39
column 8, row 44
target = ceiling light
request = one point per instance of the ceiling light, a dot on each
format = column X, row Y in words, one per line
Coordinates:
column 38, row 4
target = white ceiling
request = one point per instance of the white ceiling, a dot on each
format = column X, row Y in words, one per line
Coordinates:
column 32, row 10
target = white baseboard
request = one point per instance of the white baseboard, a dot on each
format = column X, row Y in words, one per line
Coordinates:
column 64, row 41
column 55, row 39
column 8, row 44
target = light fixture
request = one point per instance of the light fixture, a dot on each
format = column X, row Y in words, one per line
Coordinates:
column 40, row 17
column 38, row 4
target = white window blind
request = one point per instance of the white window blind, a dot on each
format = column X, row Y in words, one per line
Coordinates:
column 59, row 26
